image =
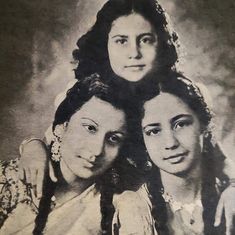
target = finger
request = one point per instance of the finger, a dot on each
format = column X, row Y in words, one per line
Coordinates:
column 33, row 176
column 27, row 175
column 229, row 222
column 22, row 174
column 219, row 212
column 229, row 225
column 39, row 186
column 34, row 199
column 52, row 173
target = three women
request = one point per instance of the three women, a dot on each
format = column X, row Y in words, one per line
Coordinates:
column 123, row 56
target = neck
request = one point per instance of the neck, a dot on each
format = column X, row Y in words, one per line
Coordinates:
column 70, row 185
column 185, row 188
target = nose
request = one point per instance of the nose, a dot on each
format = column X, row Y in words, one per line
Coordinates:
column 171, row 142
column 96, row 148
column 134, row 51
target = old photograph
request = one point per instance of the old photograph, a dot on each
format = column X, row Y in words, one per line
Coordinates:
column 117, row 117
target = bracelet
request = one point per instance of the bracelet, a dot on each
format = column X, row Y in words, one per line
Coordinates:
column 232, row 182
column 26, row 141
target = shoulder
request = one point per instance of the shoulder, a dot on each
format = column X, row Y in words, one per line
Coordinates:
column 133, row 213
column 133, row 198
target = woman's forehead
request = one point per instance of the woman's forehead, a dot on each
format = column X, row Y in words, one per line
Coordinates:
column 101, row 112
column 132, row 23
column 164, row 107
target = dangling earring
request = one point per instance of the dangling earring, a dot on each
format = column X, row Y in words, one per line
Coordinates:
column 148, row 165
column 201, row 141
column 115, row 177
column 56, row 142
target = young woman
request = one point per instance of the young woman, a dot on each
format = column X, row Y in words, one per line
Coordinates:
column 86, row 155
column 178, row 135
column 129, row 39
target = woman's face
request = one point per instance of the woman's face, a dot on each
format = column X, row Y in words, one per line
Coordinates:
column 93, row 138
column 171, row 133
column 132, row 44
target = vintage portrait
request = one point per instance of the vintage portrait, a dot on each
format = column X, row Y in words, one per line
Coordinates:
column 117, row 117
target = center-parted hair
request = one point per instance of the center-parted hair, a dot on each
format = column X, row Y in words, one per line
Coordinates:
column 92, row 52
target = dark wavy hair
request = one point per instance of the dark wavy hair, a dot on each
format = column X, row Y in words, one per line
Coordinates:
column 93, row 53
column 110, row 181
column 212, row 161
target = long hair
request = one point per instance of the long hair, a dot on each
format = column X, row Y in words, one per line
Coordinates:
column 108, row 183
column 189, row 93
column 92, row 52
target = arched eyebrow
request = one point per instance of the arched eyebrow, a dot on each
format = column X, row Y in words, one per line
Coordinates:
column 118, row 132
column 85, row 118
column 146, row 34
column 152, row 125
column 181, row 116
column 120, row 36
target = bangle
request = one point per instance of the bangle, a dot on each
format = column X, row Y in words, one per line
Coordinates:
column 26, row 141
column 232, row 182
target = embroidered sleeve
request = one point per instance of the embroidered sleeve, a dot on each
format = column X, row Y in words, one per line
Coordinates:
column 12, row 190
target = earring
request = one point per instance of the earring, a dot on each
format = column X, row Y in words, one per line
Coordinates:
column 115, row 177
column 148, row 165
column 201, row 141
column 56, row 142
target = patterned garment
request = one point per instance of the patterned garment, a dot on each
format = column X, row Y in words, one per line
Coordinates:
column 12, row 190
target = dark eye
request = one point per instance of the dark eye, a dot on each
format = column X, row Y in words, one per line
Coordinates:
column 90, row 128
column 115, row 138
column 121, row 41
column 181, row 124
column 153, row 132
column 147, row 40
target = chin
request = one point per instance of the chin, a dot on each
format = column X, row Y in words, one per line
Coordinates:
column 85, row 174
column 137, row 78
column 177, row 169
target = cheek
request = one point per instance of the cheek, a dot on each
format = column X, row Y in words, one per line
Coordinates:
column 189, row 138
column 154, row 148
column 149, row 54
column 71, row 144
column 111, row 153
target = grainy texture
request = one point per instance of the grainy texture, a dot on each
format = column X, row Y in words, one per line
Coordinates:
column 37, row 38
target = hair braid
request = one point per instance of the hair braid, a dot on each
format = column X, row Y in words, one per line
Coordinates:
column 159, row 210
column 209, row 194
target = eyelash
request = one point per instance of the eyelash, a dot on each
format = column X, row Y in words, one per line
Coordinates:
column 177, row 125
column 147, row 40
column 151, row 132
column 121, row 41
column 117, row 141
column 182, row 123
column 144, row 40
column 87, row 127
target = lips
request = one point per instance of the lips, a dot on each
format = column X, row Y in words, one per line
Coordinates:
column 135, row 66
column 177, row 158
column 88, row 164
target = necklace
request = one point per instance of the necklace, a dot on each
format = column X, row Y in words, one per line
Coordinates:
column 177, row 206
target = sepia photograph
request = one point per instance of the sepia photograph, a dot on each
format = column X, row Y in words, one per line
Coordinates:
column 117, row 117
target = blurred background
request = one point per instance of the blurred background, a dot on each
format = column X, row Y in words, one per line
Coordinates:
column 37, row 39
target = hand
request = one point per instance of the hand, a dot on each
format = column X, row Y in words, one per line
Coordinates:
column 33, row 165
column 227, row 205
